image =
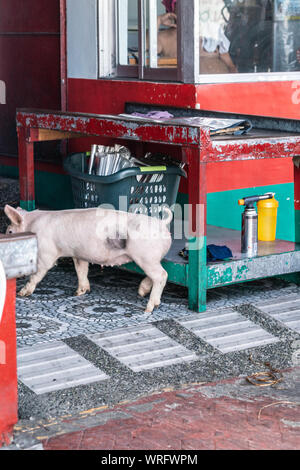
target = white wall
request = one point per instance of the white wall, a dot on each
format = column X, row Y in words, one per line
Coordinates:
column 82, row 38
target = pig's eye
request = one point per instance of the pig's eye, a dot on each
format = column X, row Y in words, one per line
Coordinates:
column 10, row 231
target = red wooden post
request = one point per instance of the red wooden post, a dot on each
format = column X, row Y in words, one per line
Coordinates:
column 18, row 254
column 8, row 367
column 26, row 170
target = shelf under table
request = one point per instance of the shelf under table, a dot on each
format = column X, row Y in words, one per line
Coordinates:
column 274, row 258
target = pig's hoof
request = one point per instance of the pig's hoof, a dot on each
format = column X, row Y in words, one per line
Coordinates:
column 81, row 292
column 24, row 292
column 142, row 292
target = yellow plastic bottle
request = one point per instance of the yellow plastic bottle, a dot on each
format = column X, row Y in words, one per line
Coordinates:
column 267, row 220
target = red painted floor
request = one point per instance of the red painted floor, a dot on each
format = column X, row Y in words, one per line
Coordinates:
column 195, row 418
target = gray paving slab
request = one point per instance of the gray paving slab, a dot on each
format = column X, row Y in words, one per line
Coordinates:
column 285, row 309
column 54, row 366
column 227, row 330
column 143, row 347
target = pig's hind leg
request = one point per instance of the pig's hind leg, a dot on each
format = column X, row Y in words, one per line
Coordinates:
column 158, row 277
column 145, row 287
column 82, row 269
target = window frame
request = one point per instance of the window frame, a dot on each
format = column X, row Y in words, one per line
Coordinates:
column 188, row 69
column 185, row 41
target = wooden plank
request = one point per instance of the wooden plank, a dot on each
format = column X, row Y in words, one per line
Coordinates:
column 43, row 135
column 46, row 134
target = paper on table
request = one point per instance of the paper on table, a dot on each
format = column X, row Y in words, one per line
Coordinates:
column 217, row 126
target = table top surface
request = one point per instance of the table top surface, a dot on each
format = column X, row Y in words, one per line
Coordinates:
column 254, row 133
column 258, row 143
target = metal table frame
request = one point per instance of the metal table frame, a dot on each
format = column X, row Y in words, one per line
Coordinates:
column 198, row 148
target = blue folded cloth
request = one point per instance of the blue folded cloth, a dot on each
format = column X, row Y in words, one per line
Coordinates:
column 218, row 253
column 214, row 253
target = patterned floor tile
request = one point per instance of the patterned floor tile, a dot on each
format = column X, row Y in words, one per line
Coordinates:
column 284, row 309
column 54, row 313
column 54, row 366
column 143, row 348
column 227, row 330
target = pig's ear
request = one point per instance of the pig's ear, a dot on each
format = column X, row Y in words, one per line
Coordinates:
column 14, row 216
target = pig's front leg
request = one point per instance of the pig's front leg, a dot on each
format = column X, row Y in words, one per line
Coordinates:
column 33, row 282
column 45, row 263
column 82, row 269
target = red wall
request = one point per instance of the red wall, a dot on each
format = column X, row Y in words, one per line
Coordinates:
column 29, row 61
column 278, row 99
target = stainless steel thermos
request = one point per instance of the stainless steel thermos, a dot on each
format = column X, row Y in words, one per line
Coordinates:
column 250, row 224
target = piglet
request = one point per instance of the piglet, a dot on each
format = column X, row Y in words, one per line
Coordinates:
column 97, row 236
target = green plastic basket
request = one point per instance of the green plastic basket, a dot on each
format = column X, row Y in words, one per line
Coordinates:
column 142, row 190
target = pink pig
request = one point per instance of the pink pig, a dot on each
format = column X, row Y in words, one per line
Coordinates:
column 97, row 236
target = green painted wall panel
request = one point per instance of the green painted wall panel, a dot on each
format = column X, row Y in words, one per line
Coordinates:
column 52, row 190
column 223, row 209
column 55, row 191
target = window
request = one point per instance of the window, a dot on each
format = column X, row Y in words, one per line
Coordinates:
column 200, row 41
column 138, row 53
column 246, row 37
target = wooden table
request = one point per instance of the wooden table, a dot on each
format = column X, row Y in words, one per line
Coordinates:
column 266, row 141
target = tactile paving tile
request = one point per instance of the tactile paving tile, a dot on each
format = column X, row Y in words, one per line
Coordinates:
column 143, row 347
column 54, row 366
column 227, row 330
column 284, row 309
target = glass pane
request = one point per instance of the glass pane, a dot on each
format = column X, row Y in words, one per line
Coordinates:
column 128, row 32
column 161, row 36
column 249, row 36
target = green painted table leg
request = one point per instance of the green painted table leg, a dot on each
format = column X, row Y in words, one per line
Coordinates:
column 295, row 278
column 197, row 274
column 27, row 205
column 197, row 189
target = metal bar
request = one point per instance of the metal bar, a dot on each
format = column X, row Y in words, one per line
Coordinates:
column 153, row 33
column 186, row 40
column 107, row 33
column 123, row 32
column 142, row 36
